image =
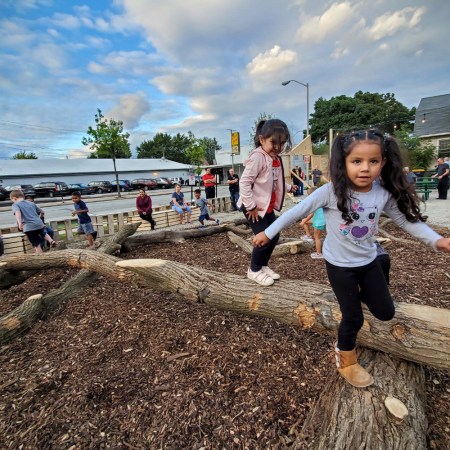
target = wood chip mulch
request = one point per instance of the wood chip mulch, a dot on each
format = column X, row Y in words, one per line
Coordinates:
column 123, row 367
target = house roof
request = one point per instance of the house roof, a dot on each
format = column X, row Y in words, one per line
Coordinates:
column 52, row 167
column 433, row 116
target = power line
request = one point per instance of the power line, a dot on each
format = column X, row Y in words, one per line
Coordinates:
column 28, row 125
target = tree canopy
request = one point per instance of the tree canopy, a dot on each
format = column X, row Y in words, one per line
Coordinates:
column 179, row 148
column 107, row 139
column 364, row 110
column 24, row 155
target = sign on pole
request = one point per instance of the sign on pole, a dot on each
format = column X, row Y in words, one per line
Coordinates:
column 235, row 143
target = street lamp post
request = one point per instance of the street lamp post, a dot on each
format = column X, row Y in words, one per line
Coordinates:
column 285, row 83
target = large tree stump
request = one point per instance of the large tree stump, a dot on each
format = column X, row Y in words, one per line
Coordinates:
column 348, row 418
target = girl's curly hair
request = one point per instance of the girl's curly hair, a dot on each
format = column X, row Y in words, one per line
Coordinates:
column 392, row 177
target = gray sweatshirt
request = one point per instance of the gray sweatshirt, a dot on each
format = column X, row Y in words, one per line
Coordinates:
column 352, row 245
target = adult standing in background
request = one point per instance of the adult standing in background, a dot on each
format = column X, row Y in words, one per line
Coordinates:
column 209, row 181
column 316, row 173
column 233, row 185
column 442, row 176
column 410, row 176
column 297, row 180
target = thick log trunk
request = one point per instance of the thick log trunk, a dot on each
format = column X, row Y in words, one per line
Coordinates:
column 348, row 418
column 417, row 333
column 38, row 306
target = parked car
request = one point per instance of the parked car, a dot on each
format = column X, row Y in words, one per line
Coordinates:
column 51, row 188
column 27, row 189
column 163, row 183
column 101, row 186
column 179, row 180
column 82, row 188
column 124, row 185
column 3, row 193
column 144, row 183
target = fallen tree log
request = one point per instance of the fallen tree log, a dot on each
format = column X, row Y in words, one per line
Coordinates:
column 38, row 306
column 417, row 333
column 346, row 418
column 284, row 248
column 177, row 236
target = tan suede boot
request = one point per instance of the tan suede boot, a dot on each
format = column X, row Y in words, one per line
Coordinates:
column 349, row 368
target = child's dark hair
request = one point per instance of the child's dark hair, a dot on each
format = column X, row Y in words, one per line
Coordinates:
column 392, row 177
column 197, row 191
column 274, row 128
column 76, row 194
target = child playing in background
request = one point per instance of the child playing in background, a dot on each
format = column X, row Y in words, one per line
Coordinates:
column 203, row 204
column 81, row 210
column 29, row 220
column 48, row 230
column 262, row 189
column 352, row 205
column 317, row 220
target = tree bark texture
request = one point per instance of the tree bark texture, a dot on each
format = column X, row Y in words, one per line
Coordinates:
column 19, row 320
column 348, row 418
column 417, row 333
column 176, row 236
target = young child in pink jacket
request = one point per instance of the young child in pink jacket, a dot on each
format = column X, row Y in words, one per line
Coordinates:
column 262, row 188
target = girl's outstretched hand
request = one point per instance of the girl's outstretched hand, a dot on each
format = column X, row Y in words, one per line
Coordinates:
column 260, row 240
column 442, row 245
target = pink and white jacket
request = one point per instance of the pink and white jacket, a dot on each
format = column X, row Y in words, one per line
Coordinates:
column 256, row 183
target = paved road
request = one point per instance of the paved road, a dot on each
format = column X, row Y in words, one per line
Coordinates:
column 99, row 205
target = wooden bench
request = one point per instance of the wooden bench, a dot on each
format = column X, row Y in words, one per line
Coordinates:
column 16, row 244
column 425, row 186
column 163, row 218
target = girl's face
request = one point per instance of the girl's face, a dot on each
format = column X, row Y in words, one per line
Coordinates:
column 363, row 165
column 271, row 147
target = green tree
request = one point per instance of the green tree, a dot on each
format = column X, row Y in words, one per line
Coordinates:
column 417, row 153
column 211, row 146
column 165, row 146
column 24, row 155
column 262, row 116
column 364, row 110
column 196, row 154
column 108, row 140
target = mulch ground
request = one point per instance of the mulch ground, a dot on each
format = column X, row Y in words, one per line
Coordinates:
column 123, row 367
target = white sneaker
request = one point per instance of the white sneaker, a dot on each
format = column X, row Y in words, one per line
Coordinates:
column 270, row 272
column 316, row 255
column 260, row 277
column 306, row 238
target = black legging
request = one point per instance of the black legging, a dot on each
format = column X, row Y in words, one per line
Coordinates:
column 261, row 255
column 148, row 217
column 348, row 283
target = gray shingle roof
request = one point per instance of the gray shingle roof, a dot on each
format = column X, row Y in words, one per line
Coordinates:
column 436, row 111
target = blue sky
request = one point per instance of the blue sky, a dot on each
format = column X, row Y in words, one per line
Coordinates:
column 204, row 65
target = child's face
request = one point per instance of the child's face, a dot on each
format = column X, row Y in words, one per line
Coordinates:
column 75, row 199
column 196, row 195
column 272, row 147
column 363, row 165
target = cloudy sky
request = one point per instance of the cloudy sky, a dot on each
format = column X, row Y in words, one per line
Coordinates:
column 204, row 65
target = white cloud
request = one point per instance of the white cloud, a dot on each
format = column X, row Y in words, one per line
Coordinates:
column 390, row 23
column 272, row 60
column 317, row 28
